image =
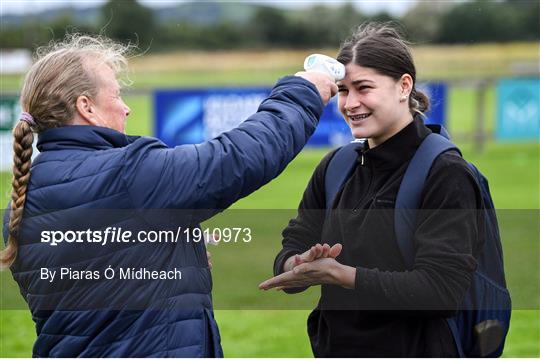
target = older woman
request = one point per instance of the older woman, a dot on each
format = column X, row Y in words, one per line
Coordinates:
column 90, row 176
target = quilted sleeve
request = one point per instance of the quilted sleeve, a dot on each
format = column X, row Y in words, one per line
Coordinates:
column 214, row 174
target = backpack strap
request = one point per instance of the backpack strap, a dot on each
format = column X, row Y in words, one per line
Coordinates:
column 339, row 170
column 410, row 192
column 439, row 129
column 452, row 324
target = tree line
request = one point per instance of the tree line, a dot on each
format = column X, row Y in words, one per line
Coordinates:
column 271, row 27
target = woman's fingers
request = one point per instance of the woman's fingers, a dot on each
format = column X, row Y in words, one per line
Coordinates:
column 335, row 250
column 318, row 251
column 294, row 278
column 277, row 280
column 325, row 250
column 291, row 283
column 297, row 260
column 309, row 255
column 209, row 256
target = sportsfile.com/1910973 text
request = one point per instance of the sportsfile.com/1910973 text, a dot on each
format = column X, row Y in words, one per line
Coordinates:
column 118, row 235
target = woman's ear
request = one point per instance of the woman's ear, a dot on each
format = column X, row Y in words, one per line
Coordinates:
column 406, row 84
column 85, row 110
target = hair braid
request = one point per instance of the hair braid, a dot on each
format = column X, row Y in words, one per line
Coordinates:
column 22, row 160
column 62, row 72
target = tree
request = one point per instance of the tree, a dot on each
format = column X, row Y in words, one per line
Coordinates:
column 423, row 20
column 480, row 21
column 128, row 21
column 347, row 19
column 270, row 26
column 382, row 16
column 528, row 13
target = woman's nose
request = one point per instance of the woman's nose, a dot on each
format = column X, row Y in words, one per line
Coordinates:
column 351, row 102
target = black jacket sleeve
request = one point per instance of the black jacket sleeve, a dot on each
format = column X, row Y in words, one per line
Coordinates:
column 446, row 239
column 305, row 230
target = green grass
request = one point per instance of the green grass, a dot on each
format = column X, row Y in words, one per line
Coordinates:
column 184, row 78
column 524, row 335
column 141, row 111
column 280, row 333
column 210, row 78
column 274, row 333
column 461, row 110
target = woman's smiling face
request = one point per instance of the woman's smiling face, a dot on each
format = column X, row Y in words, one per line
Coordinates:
column 373, row 104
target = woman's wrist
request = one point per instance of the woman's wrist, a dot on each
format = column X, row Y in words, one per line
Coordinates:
column 289, row 264
column 345, row 276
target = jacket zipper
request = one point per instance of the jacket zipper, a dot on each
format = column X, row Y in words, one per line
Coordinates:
column 362, row 162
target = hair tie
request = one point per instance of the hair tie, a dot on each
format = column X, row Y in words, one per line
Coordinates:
column 26, row 117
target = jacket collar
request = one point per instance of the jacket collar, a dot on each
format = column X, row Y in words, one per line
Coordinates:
column 82, row 138
column 398, row 149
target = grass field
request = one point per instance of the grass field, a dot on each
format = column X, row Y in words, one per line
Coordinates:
column 513, row 171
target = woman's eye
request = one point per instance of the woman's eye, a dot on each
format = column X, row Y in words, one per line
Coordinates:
column 361, row 88
column 342, row 90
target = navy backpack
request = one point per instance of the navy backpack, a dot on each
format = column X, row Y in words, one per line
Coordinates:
column 480, row 325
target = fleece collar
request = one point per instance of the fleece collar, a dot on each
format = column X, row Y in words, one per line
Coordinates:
column 398, row 149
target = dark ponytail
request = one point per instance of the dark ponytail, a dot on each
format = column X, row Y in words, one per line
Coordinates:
column 22, row 160
column 418, row 102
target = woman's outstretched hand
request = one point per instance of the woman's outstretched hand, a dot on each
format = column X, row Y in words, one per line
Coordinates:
column 315, row 252
column 313, row 267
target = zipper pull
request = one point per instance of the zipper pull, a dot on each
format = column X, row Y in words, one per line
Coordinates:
column 362, row 160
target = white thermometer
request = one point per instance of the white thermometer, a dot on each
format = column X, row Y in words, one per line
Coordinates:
column 326, row 65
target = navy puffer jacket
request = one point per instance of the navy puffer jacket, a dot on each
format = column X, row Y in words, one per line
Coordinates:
column 89, row 177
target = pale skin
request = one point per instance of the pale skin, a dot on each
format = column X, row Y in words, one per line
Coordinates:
column 375, row 107
column 106, row 109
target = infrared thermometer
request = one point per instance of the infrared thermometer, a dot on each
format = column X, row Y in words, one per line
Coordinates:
column 326, row 65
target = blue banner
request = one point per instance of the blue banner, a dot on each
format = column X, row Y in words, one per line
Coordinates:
column 196, row 115
column 437, row 92
column 518, row 109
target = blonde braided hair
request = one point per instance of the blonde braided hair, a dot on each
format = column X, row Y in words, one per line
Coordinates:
column 49, row 93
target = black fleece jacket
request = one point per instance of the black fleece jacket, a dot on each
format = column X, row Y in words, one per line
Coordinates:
column 392, row 311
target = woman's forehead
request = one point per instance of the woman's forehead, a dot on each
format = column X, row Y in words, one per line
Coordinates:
column 357, row 73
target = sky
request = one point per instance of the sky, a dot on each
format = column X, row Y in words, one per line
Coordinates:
column 394, row 7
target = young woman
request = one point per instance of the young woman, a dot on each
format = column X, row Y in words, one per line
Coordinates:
column 91, row 179
column 371, row 303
